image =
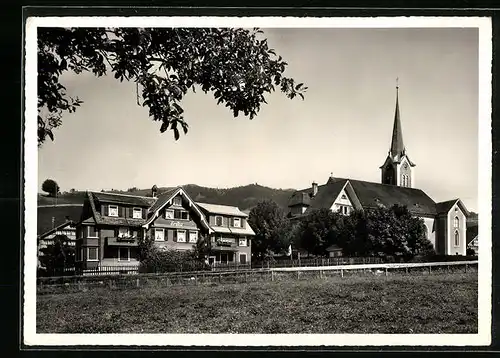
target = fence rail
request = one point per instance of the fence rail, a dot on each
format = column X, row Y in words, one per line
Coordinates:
column 78, row 283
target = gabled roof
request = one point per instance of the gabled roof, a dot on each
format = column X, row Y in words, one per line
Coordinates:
column 471, row 233
column 60, row 227
column 59, row 213
column 221, row 209
column 445, row 206
column 109, row 220
column 116, row 198
column 165, row 198
column 373, row 195
column 301, row 197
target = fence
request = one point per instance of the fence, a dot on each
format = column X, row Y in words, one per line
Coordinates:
column 82, row 283
column 134, row 269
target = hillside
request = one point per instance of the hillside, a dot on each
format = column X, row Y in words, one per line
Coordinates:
column 244, row 197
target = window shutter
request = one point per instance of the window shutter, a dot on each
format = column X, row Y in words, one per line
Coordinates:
column 130, row 212
column 121, row 210
column 231, row 222
column 242, row 223
column 116, row 232
column 175, row 236
column 106, row 210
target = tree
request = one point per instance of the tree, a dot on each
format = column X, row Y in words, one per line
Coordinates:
column 320, row 229
column 50, row 186
column 57, row 256
column 267, row 219
column 235, row 64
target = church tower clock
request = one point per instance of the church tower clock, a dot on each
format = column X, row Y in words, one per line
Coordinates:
column 398, row 169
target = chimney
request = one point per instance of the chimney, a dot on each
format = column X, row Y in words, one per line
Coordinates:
column 154, row 191
column 314, row 189
column 67, row 218
column 53, row 222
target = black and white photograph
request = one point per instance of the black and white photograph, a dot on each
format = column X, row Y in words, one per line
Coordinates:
column 257, row 181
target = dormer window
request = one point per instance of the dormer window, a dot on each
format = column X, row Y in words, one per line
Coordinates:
column 113, row 210
column 237, row 222
column 137, row 213
column 177, row 201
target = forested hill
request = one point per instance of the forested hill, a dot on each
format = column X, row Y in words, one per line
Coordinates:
column 244, row 197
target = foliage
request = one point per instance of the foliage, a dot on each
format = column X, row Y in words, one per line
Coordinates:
column 391, row 233
column 51, row 187
column 234, row 64
column 154, row 259
column 56, row 257
column 319, row 230
column 268, row 222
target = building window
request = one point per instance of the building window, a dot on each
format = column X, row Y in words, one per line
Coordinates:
column 177, row 201
column 456, row 222
column 92, row 231
column 113, row 210
column 181, row 235
column 243, row 259
column 123, row 232
column 169, row 214
column 92, row 254
column 124, row 254
column 344, row 210
column 237, row 222
column 343, row 197
column 193, row 236
column 181, row 214
column 159, row 235
column 242, row 242
column 457, row 238
column 218, row 220
column 137, row 213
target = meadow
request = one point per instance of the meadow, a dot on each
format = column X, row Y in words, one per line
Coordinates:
column 376, row 304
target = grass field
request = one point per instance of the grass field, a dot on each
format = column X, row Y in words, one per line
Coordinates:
column 418, row 304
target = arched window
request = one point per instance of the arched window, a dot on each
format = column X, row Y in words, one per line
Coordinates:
column 457, row 238
column 456, row 222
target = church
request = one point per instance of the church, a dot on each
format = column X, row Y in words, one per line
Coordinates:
column 445, row 221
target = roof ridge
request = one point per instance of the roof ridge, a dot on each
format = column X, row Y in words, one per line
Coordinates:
column 120, row 194
column 229, row 206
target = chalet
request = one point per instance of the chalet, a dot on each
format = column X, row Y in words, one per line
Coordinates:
column 67, row 229
column 111, row 225
column 445, row 221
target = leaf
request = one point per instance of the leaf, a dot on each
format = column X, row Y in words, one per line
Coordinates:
column 50, row 134
column 176, row 133
column 298, row 86
column 164, row 127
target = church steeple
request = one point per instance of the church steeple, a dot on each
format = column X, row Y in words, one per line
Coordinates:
column 398, row 169
column 397, row 146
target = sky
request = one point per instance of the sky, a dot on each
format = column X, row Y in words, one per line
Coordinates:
column 343, row 126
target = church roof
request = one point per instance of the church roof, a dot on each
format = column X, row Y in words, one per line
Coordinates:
column 445, row 206
column 373, row 195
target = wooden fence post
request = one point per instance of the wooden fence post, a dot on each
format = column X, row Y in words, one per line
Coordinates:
column 465, row 268
column 386, row 271
column 298, row 275
column 272, row 275
column 430, row 269
column 342, row 273
column 137, row 283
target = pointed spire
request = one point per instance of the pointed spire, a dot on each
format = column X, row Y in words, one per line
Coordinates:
column 397, row 146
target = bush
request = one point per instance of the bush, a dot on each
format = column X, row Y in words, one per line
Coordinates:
column 154, row 260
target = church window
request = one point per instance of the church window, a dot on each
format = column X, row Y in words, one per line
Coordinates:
column 456, row 222
column 457, row 238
